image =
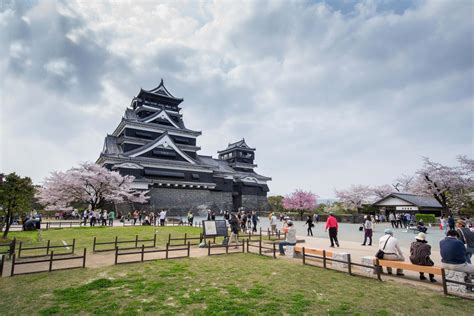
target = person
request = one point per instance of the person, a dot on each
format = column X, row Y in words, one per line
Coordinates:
column 254, row 221
column 162, row 217
column 453, row 256
column 451, row 222
column 146, row 221
column 444, row 224
column 84, row 217
column 104, row 218
column 111, row 218
column 420, row 253
column 368, row 230
column 135, row 217
column 284, row 225
column 290, row 238
column 421, row 226
column 190, row 218
column 399, row 220
column 309, row 222
column 466, row 236
column 391, row 248
column 92, row 218
column 391, row 218
column 332, row 225
column 468, row 222
column 273, row 223
column 152, row 218
column 208, row 215
column 213, row 216
column 234, row 230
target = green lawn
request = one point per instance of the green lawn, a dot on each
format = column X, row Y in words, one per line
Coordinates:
column 239, row 284
column 85, row 235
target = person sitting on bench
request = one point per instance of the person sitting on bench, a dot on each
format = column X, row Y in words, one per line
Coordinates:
column 389, row 245
column 421, row 227
column 290, row 238
column 420, row 253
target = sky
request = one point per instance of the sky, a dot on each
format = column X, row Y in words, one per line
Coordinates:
column 330, row 93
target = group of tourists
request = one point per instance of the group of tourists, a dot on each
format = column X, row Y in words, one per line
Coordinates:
column 241, row 221
column 456, row 250
column 149, row 218
column 400, row 220
column 98, row 216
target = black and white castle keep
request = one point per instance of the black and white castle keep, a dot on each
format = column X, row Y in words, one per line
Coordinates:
column 152, row 143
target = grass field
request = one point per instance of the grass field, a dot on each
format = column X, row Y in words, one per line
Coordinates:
column 239, row 284
column 85, row 236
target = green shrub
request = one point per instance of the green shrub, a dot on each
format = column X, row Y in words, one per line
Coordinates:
column 427, row 218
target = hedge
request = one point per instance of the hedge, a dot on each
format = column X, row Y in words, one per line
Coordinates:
column 427, row 218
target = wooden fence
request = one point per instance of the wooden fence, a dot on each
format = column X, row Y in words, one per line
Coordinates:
column 142, row 252
column 49, row 260
column 48, row 247
column 9, row 248
column 187, row 239
column 116, row 242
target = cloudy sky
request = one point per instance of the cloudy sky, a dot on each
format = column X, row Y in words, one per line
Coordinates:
column 330, row 93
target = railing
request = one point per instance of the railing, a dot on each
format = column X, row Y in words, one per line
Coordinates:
column 51, row 260
column 226, row 247
column 48, row 247
column 60, row 224
column 142, row 253
column 10, row 248
column 116, row 242
column 261, row 248
column 186, row 239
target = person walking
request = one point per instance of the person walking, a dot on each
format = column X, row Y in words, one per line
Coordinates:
column 451, row 222
column 111, row 218
column 273, row 223
column 234, row 230
column 190, row 218
column 84, row 217
column 254, row 221
column 309, row 222
column 290, row 238
column 443, row 224
column 332, row 225
column 368, row 230
column 162, row 217
column 420, row 253
column 391, row 249
column 135, row 217
column 391, row 218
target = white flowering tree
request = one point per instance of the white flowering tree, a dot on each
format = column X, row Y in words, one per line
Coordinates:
column 355, row 196
column 381, row 191
column 89, row 183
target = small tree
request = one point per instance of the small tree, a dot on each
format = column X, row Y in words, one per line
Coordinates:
column 276, row 203
column 300, row 201
column 90, row 184
column 382, row 191
column 16, row 195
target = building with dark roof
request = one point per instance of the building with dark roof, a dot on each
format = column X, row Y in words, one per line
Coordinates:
column 406, row 202
column 152, row 143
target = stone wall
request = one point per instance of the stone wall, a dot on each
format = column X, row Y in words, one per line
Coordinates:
column 179, row 201
column 255, row 202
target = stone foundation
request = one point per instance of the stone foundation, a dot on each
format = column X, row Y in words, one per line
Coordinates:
column 340, row 256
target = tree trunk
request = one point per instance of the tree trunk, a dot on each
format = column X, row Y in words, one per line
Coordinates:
column 8, row 218
column 301, row 214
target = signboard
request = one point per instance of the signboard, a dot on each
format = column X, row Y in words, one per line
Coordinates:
column 407, row 208
column 215, row 228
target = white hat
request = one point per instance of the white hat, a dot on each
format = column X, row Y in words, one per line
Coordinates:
column 421, row 236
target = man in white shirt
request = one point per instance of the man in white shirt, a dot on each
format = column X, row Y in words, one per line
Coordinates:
column 290, row 238
column 162, row 217
column 391, row 248
column 273, row 223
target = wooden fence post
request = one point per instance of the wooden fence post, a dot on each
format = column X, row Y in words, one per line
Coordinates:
column 185, row 238
column 227, row 248
column 349, row 264
column 12, row 248
column 1, row 265
column 167, row 248
column 445, row 285
column 260, row 247
column 136, row 241
column 154, row 240
column 116, row 255
column 12, row 273
column 209, row 248
column 274, row 251
column 247, row 244
column 324, row 259
column 378, row 267
column 304, row 256
column 19, row 249
column 189, row 249
column 169, row 238
column 47, row 246
column 73, row 245
column 243, row 246
column 93, row 245
column 84, row 259
column 143, row 252
column 116, row 241
column 51, row 261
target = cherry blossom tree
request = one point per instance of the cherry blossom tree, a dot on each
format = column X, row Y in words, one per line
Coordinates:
column 355, row 196
column 300, row 201
column 403, row 183
column 89, row 183
column 381, row 191
column 448, row 185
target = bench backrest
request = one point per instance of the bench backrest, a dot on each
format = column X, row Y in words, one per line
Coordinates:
column 312, row 251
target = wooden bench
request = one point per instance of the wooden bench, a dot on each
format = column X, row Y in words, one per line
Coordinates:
column 298, row 241
column 409, row 266
column 312, row 251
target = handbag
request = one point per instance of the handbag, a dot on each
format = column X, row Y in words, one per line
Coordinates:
column 380, row 253
column 361, row 228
